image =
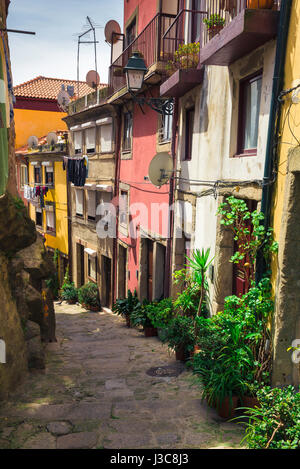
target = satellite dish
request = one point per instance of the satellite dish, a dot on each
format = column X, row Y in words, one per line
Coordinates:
column 92, row 79
column 111, row 27
column 160, row 169
column 63, row 98
column 33, row 141
column 51, row 138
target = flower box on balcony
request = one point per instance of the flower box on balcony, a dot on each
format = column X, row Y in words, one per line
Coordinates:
column 181, row 82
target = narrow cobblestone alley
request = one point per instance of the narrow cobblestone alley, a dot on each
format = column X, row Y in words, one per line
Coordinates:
column 96, row 393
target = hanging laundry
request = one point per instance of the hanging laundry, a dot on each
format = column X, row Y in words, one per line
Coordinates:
column 77, row 171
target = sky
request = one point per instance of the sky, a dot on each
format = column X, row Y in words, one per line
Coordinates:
column 52, row 52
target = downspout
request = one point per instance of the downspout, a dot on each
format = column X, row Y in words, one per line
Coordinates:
column 116, row 194
column 168, row 267
column 274, row 124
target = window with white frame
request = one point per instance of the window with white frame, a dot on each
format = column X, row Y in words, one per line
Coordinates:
column 78, row 141
column 50, row 218
column 123, row 216
column 165, row 131
column 37, row 174
column 91, row 198
column 90, row 140
column 49, row 175
column 79, row 202
column 92, row 267
column 23, row 175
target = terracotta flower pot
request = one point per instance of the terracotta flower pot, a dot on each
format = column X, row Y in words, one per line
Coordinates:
column 227, row 409
column 180, row 353
column 71, row 302
column 150, row 331
column 127, row 318
column 90, row 307
column 214, row 30
column 250, row 401
column 260, row 4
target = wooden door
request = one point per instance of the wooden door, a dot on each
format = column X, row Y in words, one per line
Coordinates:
column 240, row 281
column 107, row 281
column 150, row 271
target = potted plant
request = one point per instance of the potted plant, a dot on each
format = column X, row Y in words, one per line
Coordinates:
column 214, row 24
column 69, row 293
column 118, row 71
column 139, row 317
column 125, row 306
column 161, row 313
column 180, row 336
column 88, row 296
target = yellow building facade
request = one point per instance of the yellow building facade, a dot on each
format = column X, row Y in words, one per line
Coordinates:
column 285, row 216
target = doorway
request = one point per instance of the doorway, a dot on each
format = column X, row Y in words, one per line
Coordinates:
column 107, row 293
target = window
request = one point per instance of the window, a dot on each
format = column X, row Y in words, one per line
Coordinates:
column 78, row 142
column 79, row 202
column 123, row 208
column 106, row 138
column 127, row 131
column 49, row 175
column 90, row 140
column 24, row 175
column 50, row 218
column 189, row 130
column 92, row 267
column 131, row 32
column 196, row 21
column 37, row 175
column 91, row 205
column 166, row 128
column 249, row 105
column 39, row 217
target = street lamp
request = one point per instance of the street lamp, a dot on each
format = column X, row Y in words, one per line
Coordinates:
column 135, row 72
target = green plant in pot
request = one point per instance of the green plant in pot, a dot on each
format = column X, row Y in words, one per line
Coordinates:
column 180, row 336
column 68, row 291
column 160, row 314
column 88, row 296
column 140, row 317
column 125, row 306
column 214, row 24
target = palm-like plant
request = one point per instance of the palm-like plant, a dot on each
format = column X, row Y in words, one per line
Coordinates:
column 200, row 264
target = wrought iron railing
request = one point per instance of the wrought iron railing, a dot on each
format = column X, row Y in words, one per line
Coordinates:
column 224, row 11
column 92, row 99
column 149, row 43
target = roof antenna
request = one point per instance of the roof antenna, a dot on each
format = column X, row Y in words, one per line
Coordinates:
column 89, row 27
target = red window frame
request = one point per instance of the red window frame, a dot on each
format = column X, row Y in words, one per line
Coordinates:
column 241, row 151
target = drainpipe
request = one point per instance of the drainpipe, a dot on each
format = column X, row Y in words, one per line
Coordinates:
column 168, row 267
column 116, row 194
column 274, row 123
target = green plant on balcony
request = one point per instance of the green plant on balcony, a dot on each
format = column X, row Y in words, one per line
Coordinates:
column 214, row 24
column 186, row 57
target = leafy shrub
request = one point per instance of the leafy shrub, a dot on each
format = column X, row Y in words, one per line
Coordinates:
column 69, row 292
column 88, row 295
column 139, row 315
column 160, row 313
column 181, row 333
column 125, row 306
column 276, row 424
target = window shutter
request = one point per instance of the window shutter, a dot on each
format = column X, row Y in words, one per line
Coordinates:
column 78, row 140
column 49, row 169
column 50, row 218
column 90, row 138
column 79, row 201
column 92, row 204
column 92, row 267
column 106, row 138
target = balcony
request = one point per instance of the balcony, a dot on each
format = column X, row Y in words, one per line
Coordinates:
column 182, row 42
column 150, row 44
column 88, row 101
column 247, row 24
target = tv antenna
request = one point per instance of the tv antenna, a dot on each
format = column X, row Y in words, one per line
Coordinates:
column 84, row 38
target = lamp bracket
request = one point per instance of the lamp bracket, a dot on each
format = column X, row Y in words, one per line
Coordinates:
column 161, row 105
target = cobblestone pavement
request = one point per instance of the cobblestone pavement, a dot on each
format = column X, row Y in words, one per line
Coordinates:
column 95, row 393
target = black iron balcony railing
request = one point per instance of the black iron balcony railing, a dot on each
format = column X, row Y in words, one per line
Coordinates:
column 221, row 12
column 149, row 43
